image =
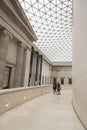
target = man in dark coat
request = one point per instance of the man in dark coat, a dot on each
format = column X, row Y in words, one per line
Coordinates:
column 54, row 87
column 58, row 88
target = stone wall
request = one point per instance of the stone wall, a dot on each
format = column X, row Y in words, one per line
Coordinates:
column 16, row 36
column 80, row 59
column 12, row 52
column 46, row 72
column 62, row 72
column 14, row 97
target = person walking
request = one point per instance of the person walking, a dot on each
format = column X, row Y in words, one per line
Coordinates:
column 58, row 88
column 54, row 87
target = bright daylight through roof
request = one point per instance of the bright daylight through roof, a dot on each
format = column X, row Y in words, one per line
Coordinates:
column 52, row 23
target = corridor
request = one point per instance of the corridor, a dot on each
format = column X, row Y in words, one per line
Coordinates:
column 47, row 112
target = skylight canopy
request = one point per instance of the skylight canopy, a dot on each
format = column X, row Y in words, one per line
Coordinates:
column 52, row 22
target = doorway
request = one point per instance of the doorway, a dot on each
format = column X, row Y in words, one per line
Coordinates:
column 70, row 81
column 54, row 80
column 7, row 77
column 62, row 80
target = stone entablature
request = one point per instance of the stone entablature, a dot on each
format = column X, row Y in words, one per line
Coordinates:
column 14, row 11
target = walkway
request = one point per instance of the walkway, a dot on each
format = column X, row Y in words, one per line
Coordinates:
column 47, row 112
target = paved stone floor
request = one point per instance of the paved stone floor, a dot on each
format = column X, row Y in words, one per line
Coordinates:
column 47, row 112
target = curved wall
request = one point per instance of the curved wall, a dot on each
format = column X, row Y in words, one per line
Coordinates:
column 80, row 59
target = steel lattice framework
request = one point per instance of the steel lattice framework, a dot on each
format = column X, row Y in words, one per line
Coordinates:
column 52, row 22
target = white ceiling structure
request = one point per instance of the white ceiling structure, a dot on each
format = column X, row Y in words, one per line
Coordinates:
column 52, row 23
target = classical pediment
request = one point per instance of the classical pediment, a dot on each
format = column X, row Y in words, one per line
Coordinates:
column 14, row 9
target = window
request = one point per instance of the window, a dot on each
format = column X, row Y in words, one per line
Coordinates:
column 70, row 80
column 62, row 80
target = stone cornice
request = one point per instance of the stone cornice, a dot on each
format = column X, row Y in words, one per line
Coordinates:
column 62, row 63
column 13, row 15
column 58, row 68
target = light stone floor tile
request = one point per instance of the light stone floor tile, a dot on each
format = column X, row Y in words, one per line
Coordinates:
column 47, row 112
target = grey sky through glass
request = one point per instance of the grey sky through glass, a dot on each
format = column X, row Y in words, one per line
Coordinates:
column 52, row 22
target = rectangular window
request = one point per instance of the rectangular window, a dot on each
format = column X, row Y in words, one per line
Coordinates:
column 70, row 80
column 62, row 80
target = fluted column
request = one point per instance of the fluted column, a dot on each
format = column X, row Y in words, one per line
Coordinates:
column 4, row 41
column 31, row 67
column 39, row 69
column 33, row 70
column 36, row 73
column 19, row 65
column 26, row 67
column 51, row 80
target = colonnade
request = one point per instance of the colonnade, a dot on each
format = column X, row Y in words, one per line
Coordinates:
column 25, row 71
column 35, row 68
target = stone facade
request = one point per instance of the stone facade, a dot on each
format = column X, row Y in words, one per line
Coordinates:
column 16, row 37
column 62, row 72
column 35, row 68
column 46, row 72
column 21, row 62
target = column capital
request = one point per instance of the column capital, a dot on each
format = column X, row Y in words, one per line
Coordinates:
column 22, row 45
column 6, row 33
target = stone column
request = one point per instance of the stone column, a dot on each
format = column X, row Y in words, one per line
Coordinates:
column 31, row 67
column 40, row 70
column 19, row 65
column 4, row 41
column 51, row 80
column 36, row 73
column 26, row 67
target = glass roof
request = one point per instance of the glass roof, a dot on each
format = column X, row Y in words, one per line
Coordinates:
column 52, row 22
